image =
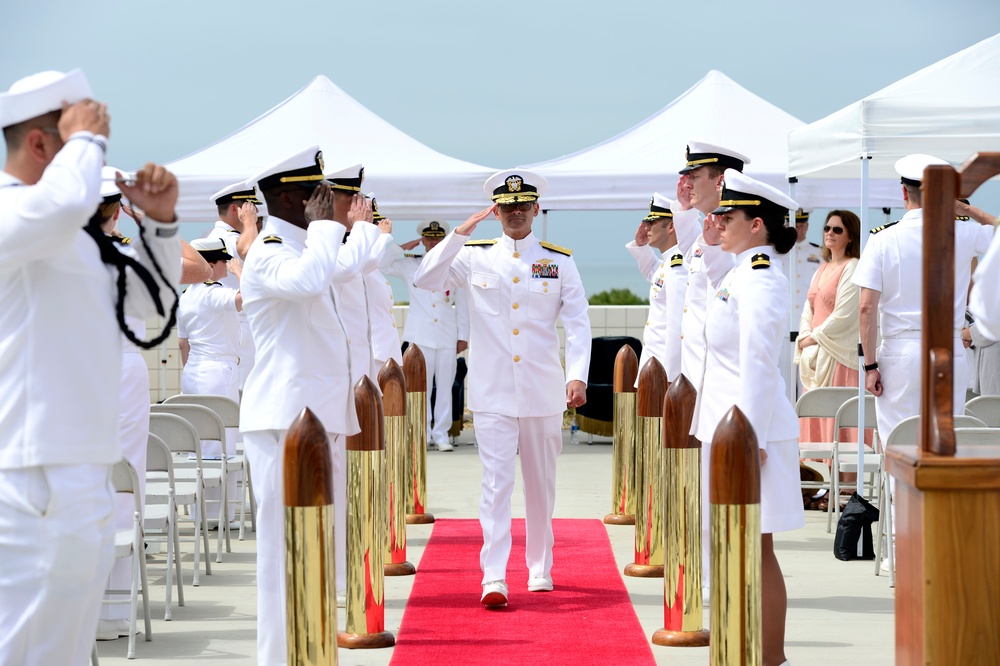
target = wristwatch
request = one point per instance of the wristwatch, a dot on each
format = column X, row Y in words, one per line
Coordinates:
column 873, row 366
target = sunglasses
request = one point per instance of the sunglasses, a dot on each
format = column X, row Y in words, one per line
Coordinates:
column 836, row 230
column 522, row 205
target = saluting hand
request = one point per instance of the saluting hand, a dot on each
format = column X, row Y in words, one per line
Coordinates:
column 409, row 245
column 576, row 393
column 683, row 193
column 642, row 234
column 320, row 204
column 467, row 227
column 155, row 192
column 361, row 211
column 710, row 231
column 248, row 215
column 385, row 225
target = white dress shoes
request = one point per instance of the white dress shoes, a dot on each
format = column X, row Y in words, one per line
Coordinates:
column 494, row 593
column 539, row 584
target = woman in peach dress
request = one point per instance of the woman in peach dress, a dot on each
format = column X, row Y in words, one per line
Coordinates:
column 827, row 351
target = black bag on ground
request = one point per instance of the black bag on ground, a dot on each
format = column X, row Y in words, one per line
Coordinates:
column 854, row 529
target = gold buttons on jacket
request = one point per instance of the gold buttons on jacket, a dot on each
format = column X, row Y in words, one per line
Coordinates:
column 517, row 255
column 435, row 320
column 516, row 280
column 433, row 305
column 545, row 284
column 517, row 359
column 515, row 306
column 517, row 332
column 685, row 309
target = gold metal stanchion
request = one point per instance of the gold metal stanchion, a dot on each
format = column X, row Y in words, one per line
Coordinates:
column 366, row 526
column 683, row 625
column 648, row 473
column 390, row 380
column 623, row 457
column 415, row 372
column 734, row 494
column 311, row 599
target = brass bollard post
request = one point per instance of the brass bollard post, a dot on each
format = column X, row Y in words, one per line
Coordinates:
column 648, row 475
column 415, row 372
column 734, row 493
column 311, row 598
column 366, row 526
column 390, row 380
column 623, row 456
column 683, row 625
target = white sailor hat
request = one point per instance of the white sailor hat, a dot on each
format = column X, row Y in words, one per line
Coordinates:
column 514, row 186
column 109, row 186
column 659, row 208
column 42, row 93
column 911, row 168
column 304, row 168
column 212, row 249
column 700, row 153
column 348, row 179
column 236, row 193
column 757, row 198
column 433, row 229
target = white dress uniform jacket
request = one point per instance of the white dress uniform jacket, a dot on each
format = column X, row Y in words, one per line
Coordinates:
column 302, row 348
column 51, row 273
column 687, row 225
column 892, row 263
column 384, row 336
column 208, row 320
column 667, row 277
column 517, row 288
column 246, row 353
column 350, row 298
column 985, row 300
column 807, row 262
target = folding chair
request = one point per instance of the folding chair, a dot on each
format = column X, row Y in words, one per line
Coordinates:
column 820, row 403
column 216, row 472
column 178, row 434
column 847, row 417
column 986, row 408
column 129, row 543
column 976, row 436
column 229, row 411
column 162, row 518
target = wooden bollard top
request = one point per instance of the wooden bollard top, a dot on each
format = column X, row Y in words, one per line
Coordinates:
column 626, row 370
column 393, row 385
column 415, row 369
column 370, row 418
column 734, row 477
column 307, row 465
column 652, row 388
column 678, row 411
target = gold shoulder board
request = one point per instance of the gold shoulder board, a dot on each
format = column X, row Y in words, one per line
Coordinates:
column 272, row 239
column 883, row 227
column 759, row 261
column 677, row 260
column 556, row 248
column 415, row 256
column 492, row 241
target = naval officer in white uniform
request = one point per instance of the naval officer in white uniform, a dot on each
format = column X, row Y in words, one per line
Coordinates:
column 890, row 273
column 667, row 276
column 438, row 322
column 378, row 292
column 746, row 322
column 518, row 389
column 60, row 362
column 984, row 302
column 302, row 361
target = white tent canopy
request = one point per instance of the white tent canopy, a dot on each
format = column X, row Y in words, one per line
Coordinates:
column 410, row 180
column 950, row 109
column 623, row 172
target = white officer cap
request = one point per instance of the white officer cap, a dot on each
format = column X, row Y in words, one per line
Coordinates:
column 701, row 153
column 348, row 179
column 236, row 193
column 911, row 168
column 212, row 249
column 801, row 215
column 659, row 208
column 433, row 229
column 109, row 188
column 514, row 186
column 757, row 198
column 42, row 93
column 304, row 168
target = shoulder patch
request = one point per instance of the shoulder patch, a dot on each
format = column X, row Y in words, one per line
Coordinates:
column 676, row 260
column 883, row 227
column 211, row 282
column 121, row 240
column 272, row 239
column 483, row 243
column 759, row 261
column 415, row 256
column 555, row 248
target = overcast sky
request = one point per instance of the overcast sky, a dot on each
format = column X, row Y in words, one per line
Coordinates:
column 498, row 84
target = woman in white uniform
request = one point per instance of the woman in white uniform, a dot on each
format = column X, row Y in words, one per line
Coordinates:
column 746, row 320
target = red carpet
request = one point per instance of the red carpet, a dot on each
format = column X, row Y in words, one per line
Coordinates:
column 587, row 619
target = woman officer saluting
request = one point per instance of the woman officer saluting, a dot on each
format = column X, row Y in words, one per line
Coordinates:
column 746, row 322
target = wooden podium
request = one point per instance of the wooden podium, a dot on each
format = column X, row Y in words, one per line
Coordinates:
column 947, row 501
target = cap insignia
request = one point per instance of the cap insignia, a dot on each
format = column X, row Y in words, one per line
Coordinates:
column 514, row 183
column 319, row 160
column 361, row 174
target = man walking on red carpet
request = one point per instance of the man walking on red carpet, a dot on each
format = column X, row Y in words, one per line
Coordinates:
column 518, row 390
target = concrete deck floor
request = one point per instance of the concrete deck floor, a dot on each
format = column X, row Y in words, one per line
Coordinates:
column 839, row 612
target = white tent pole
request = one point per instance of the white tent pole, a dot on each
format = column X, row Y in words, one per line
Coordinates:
column 163, row 365
column 545, row 224
column 792, row 283
column 865, row 162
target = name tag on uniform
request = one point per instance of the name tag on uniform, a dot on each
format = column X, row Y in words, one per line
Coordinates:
column 544, row 268
column 723, row 294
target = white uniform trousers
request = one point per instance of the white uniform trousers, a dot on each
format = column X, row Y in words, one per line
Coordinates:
column 208, row 376
column 56, row 548
column 133, row 435
column 248, row 353
column 441, row 364
column 538, row 441
column 899, row 364
column 265, row 452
